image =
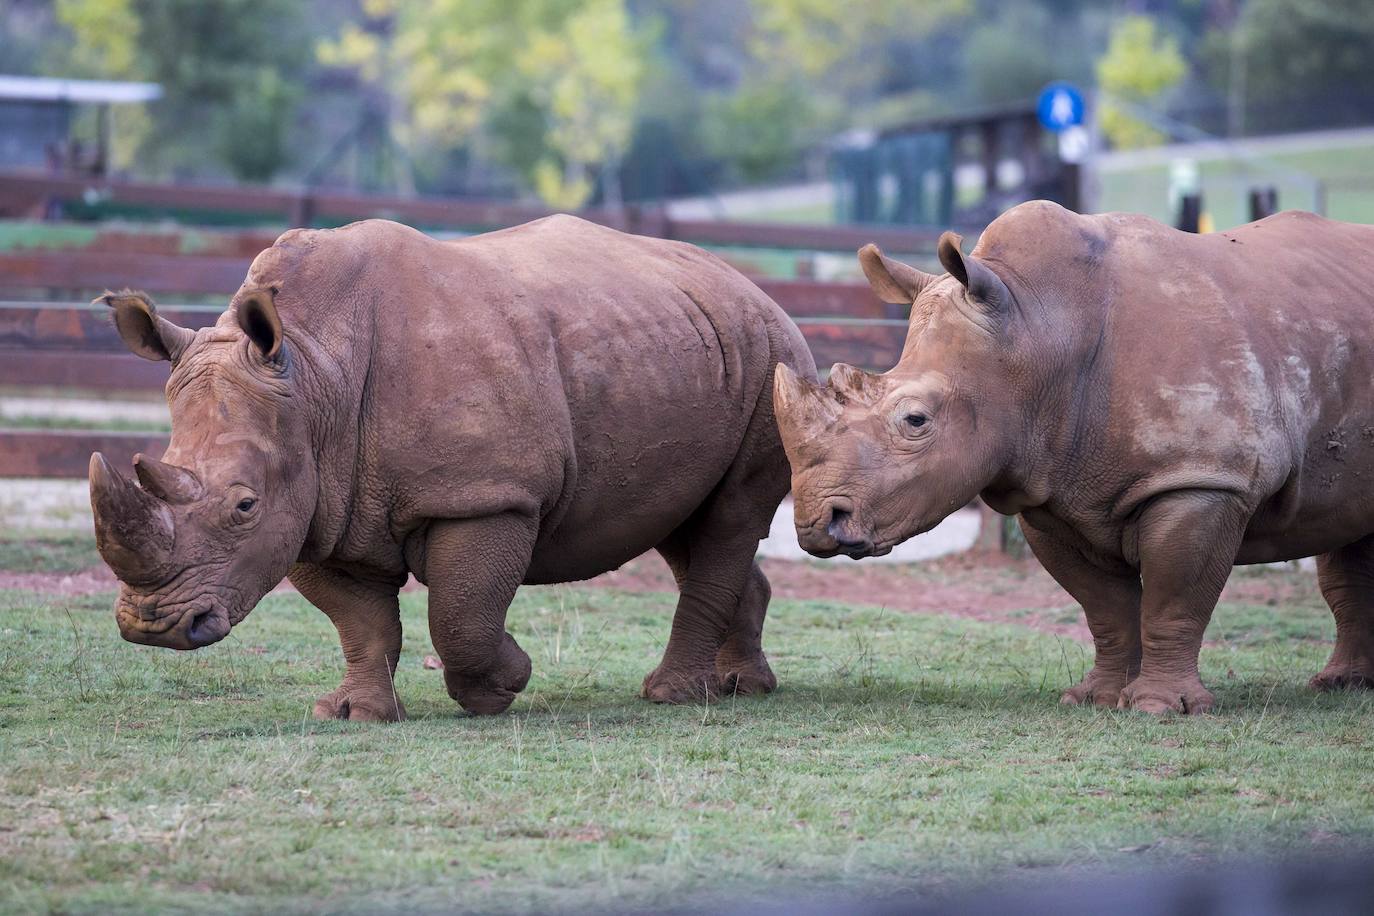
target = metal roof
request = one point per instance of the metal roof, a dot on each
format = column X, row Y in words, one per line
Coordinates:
column 49, row 89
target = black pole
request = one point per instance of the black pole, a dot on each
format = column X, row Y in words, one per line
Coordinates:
column 1264, row 201
column 1190, row 212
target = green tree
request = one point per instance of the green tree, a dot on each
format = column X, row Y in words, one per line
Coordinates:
column 1002, row 65
column 807, row 66
column 105, row 35
column 759, row 127
column 230, row 72
column 1140, row 65
column 1291, row 57
column 549, row 87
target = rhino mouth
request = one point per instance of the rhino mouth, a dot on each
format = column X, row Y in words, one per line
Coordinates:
column 826, row 547
column 839, row 530
column 187, row 625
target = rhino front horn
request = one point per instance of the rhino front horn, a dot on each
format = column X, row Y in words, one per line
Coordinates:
column 133, row 528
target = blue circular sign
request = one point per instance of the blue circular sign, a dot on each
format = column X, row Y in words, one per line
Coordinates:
column 1060, row 106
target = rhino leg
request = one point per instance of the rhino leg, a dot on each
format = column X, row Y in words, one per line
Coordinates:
column 368, row 619
column 713, row 576
column 1346, row 577
column 1110, row 596
column 715, row 647
column 741, row 666
column 473, row 567
column 1187, row 542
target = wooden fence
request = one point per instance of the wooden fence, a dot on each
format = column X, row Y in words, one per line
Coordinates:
column 36, row 195
column 67, row 344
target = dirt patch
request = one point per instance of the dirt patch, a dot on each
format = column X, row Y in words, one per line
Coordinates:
column 86, row 582
column 983, row 586
column 979, row 585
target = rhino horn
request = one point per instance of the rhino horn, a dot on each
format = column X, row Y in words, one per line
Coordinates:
column 167, row 482
column 848, row 382
column 801, row 402
column 133, row 528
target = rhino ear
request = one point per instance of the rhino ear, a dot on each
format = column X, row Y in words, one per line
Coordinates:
column 892, row 280
column 144, row 332
column 257, row 316
column 984, row 286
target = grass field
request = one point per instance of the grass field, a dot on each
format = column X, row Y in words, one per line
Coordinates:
column 903, row 751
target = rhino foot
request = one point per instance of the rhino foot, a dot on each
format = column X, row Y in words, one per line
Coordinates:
column 361, row 704
column 1160, row 696
column 1098, row 688
column 680, row 687
column 1343, row 677
column 491, row 692
column 744, row 677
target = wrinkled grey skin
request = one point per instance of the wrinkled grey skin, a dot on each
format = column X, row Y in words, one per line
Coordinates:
column 1156, row 406
column 219, row 521
column 534, row 405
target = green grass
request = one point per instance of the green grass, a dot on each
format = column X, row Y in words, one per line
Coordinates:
column 902, row 751
column 55, row 552
column 110, row 424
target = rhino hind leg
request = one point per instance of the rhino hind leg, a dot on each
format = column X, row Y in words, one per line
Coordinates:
column 715, row 648
column 713, row 576
column 473, row 567
column 1346, row 577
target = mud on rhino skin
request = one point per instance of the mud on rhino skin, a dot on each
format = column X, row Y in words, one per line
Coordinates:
column 535, row 405
column 1156, row 406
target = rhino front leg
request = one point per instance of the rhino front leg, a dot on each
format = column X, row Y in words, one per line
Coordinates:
column 473, row 567
column 712, row 589
column 368, row 618
column 1346, row 577
column 1110, row 595
column 1187, row 544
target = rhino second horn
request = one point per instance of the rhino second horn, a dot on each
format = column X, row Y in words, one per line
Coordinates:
column 848, row 381
column 802, row 400
column 133, row 528
column 167, row 482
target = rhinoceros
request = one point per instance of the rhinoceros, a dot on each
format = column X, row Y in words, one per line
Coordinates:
column 534, row 405
column 1156, row 406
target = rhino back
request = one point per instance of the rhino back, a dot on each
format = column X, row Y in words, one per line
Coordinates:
column 601, row 381
column 1233, row 360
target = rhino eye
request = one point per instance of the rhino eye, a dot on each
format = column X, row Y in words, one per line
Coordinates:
column 915, row 420
column 246, row 504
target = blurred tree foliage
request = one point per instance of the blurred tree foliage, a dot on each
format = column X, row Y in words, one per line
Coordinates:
column 230, row 70
column 550, row 85
column 1140, row 66
column 1295, row 47
column 577, row 100
column 1294, row 63
column 807, row 65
